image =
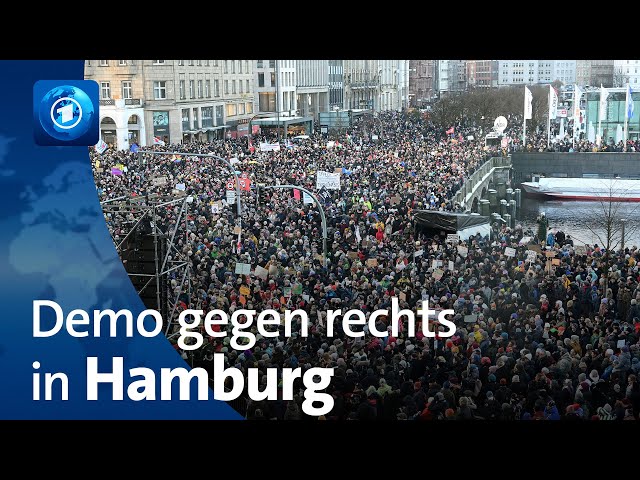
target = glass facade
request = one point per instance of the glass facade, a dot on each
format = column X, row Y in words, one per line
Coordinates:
column 616, row 109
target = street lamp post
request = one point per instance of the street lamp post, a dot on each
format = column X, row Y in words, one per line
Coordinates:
column 322, row 215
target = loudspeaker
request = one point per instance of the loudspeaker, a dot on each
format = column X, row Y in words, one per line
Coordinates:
column 139, row 257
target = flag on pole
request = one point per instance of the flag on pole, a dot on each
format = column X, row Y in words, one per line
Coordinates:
column 553, row 102
column 528, row 97
column 101, row 146
column 157, row 141
column 604, row 93
column 576, row 103
column 134, row 148
column 296, row 194
column 629, row 102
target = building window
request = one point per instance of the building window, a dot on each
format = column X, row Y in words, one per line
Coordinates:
column 226, row 87
column 231, row 110
column 207, row 88
column 104, row 63
column 195, row 119
column 215, row 63
column 192, row 85
column 246, row 66
column 88, row 63
column 260, row 64
column 127, row 91
column 159, row 90
column 241, row 109
column 226, row 66
column 248, row 90
column 233, row 87
column 233, row 66
column 181, row 63
column 261, row 79
column 239, row 86
column 206, row 63
column 273, row 79
column 207, row 117
column 105, row 90
column 216, row 88
column 272, row 64
column 199, row 88
column 122, row 63
column 182, row 90
column 158, row 62
column 185, row 120
column 239, row 66
column 199, row 63
column 249, row 107
column 191, row 63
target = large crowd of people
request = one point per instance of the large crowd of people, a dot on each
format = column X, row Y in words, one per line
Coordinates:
column 545, row 338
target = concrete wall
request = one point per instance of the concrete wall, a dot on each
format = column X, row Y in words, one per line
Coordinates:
column 578, row 165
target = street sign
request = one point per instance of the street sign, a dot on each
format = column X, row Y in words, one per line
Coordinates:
column 561, row 113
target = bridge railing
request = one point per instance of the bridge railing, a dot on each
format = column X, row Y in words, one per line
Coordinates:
column 476, row 177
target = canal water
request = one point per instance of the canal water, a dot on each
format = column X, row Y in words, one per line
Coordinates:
column 574, row 217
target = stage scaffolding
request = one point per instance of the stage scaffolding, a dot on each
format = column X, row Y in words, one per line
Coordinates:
column 140, row 213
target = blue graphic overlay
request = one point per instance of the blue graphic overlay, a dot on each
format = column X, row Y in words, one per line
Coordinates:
column 55, row 246
column 66, row 112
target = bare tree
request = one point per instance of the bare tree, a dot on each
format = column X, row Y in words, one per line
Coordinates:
column 606, row 221
column 620, row 79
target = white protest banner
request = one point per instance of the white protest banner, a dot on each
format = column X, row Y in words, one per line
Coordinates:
column 157, row 181
column 243, row 268
column 453, row 238
column 269, row 147
column 330, row 144
column 510, row 252
column 331, row 181
column 374, row 137
column 451, row 267
column 234, row 160
column 437, row 274
column 101, row 146
column 181, row 187
column 436, row 263
column 306, row 198
column 531, row 256
column 231, row 197
column 463, row 250
column 418, row 253
column 261, row 272
column 216, row 207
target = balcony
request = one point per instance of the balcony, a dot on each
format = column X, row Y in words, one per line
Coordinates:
column 133, row 101
column 107, row 101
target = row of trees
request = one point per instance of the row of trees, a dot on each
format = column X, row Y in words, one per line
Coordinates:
column 481, row 106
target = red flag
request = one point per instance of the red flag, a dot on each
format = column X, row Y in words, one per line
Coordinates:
column 296, row 194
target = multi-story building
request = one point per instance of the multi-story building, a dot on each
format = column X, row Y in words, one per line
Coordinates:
column 276, row 86
column 627, row 71
column 376, row 84
column 421, row 81
column 172, row 100
column 452, row 76
column 361, row 80
column 312, row 87
column 482, row 73
column 595, row 73
column 531, row 72
column 336, row 85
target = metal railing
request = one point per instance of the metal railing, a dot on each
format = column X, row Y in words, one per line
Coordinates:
column 132, row 101
column 107, row 101
column 476, row 179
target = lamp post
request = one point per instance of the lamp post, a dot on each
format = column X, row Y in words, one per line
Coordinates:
column 322, row 215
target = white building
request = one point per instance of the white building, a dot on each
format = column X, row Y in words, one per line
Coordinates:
column 531, row 72
column 442, row 84
column 312, row 87
column 275, row 84
column 378, row 85
column 626, row 71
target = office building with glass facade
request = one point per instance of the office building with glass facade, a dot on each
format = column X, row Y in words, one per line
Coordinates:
column 613, row 121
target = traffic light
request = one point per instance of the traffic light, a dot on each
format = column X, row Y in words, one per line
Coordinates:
column 260, row 192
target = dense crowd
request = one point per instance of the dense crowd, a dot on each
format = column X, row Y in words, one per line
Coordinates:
column 543, row 339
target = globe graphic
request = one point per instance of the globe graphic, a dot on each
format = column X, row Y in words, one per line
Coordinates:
column 66, row 112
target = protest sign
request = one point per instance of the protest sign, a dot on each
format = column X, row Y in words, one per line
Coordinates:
column 329, row 180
